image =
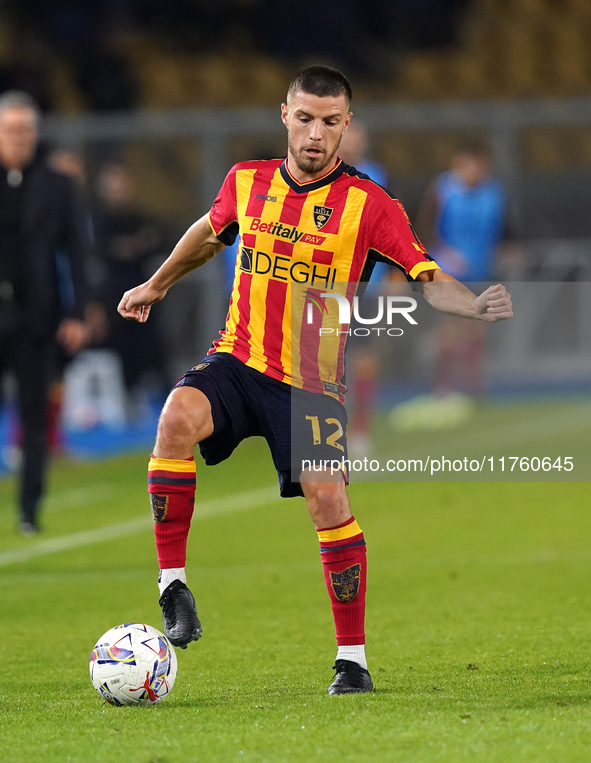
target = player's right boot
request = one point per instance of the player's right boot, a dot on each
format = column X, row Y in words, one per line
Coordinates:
column 179, row 614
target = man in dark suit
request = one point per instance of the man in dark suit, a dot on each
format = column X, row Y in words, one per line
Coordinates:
column 40, row 222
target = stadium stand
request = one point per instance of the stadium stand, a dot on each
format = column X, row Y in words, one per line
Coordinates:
column 522, row 48
column 179, row 58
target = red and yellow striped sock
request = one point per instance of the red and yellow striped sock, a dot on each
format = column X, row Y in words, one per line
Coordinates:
column 343, row 554
column 171, row 484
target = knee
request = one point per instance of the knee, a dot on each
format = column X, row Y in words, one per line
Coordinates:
column 328, row 495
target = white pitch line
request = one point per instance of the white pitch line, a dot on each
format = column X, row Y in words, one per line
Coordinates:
column 235, row 502
column 78, row 498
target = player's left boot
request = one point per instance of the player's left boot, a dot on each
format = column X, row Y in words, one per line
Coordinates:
column 351, row 678
column 179, row 614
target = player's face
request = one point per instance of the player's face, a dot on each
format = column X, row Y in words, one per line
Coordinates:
column 315, row 127
column 18, row 136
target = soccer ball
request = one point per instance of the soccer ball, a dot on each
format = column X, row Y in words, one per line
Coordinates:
column 133, row 664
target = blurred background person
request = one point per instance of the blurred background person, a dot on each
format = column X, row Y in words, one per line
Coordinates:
column 463, row 220
column 354, row 151
column 463, row 216
column 363, row 364
column 126, row 240
column 71, row 163
column 40, row 217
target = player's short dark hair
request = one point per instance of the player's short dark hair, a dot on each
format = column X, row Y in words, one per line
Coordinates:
column 323, row 81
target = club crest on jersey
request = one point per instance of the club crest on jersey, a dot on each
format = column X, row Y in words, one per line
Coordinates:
column 345, row 584
column 159, row 507
column 321, row 216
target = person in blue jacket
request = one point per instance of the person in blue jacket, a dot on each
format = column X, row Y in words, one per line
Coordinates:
column 463, row 216
column 463, row 220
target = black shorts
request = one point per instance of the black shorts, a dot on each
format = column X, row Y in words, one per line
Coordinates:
column 299, row 426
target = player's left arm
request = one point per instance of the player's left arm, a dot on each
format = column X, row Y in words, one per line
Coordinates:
column 447, row 295
column 395, row 235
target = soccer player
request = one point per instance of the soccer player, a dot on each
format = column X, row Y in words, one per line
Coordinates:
column 308, row 218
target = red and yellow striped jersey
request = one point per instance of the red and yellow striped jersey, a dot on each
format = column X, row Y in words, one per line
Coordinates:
column 302, row 239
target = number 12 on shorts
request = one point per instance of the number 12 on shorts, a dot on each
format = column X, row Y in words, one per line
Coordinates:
column 332, row 437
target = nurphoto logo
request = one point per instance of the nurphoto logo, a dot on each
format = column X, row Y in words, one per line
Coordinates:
column 348, row 311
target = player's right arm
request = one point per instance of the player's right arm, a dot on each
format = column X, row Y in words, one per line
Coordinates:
column 196, row 247
column 201, row 242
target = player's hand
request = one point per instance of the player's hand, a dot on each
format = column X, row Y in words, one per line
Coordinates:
column 135, row 304
column 72, row 335
column 494, row 304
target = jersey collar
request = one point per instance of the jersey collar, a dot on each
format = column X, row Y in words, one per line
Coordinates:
column 311, row 185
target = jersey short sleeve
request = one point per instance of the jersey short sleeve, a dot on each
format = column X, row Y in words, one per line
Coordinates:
column 393, row 238
column 223, row 215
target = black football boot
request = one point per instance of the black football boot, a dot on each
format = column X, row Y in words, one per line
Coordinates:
column 351, row 678
column 179, row 614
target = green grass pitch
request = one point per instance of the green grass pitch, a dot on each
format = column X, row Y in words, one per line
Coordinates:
column 478, row 623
